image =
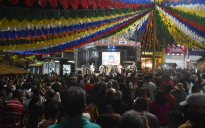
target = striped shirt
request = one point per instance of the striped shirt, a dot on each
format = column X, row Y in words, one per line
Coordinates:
column 11, row 112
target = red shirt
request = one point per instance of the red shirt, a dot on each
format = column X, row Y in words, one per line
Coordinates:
column 11, row 113
column 171, row 101
column 88, row 87
column 166, row 82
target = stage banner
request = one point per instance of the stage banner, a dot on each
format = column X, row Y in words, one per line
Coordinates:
column 179, row 49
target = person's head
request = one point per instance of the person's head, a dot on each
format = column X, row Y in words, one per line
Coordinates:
column 115, row 85
column 174, row 119
column 195, row 102
column 92, row 63
column 17, row 95
column 179, row 87
column 88, row 99
column 140, row 83
column 140, row 104
column 2, row 93
column 167, row 77
column 50, row 93
column 111, row 121
column 28, row 94
column 131, row 119
column 195, row 89
column 35, row 115
column 74, row 101
column 161, row 97
column 53, row 110
column 167, row 88
column 108, row 97
column 109, row 84
column 146, row 78
column 143, row 92
column 117, row 95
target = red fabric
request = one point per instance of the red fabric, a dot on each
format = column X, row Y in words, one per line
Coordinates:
column 166, row 82
column 74, row 3
column 171, row 101
column 84, row 4
column 13, row 1
column 54, row 3
column 64, row 3
column 42, row 2
column 12, row 111
column 88, row 87
column 29, row 2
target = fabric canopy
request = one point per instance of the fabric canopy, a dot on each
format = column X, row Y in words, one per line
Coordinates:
column 5, row 70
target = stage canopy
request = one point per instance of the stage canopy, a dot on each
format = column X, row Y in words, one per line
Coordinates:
column 50, row 26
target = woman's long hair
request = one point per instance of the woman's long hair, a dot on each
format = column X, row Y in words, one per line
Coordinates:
column 35, row 115
column 143, row 93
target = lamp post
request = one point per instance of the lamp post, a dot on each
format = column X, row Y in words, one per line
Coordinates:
column 154, row 38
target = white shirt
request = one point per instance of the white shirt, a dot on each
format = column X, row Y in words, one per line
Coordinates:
column 132, row 91
column 151, row 87
column 57, row 97
column 92, row 67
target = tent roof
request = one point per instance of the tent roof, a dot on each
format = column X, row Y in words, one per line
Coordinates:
column 5, row 70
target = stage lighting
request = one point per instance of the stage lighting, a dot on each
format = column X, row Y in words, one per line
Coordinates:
column 113, row 47
column 108, row 46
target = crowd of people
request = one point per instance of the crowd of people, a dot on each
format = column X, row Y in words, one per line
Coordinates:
column 170, row 99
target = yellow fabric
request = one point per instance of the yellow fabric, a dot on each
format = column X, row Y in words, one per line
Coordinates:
column 92, row 110
column 186, row 125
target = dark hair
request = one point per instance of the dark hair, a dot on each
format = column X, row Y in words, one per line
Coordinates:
column 140, row 104
column 167, row 77
column 51, row 93
column 176, row 115
column 147, row 78
column 88, row 99
column 140, row 83
column 111, row 121
column 167, row 88
column 161, row 98
column 131, row 119
column 35, row 115
column 17, row 95
column 52, row 109
column 74, row 101
column 195, row 89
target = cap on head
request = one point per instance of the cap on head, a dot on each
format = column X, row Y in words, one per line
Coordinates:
column 195, row 99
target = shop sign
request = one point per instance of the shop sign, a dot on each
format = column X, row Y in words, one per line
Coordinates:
column 196, row 52
column 176, row 50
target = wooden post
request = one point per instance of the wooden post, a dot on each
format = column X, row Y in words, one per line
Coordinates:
column 154, row 38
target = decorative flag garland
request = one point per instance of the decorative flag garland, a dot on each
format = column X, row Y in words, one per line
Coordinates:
column 185, row 29
column 179, row 36
column 63, row 39
column 86, row 3
column 110, row 31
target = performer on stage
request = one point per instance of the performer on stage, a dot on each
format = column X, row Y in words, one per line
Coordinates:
column 111, row 69
column 92, row 68
column 119, row 68
column 101, row 68
column 134, row 67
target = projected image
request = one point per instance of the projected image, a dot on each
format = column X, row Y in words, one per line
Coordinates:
column 110, row 58
column 66, row 69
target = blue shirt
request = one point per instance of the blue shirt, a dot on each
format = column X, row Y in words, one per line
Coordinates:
column 75, row 123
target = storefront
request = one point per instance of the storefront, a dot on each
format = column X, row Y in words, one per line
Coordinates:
column 194, row 55
column 176, row 55
column 147, row 59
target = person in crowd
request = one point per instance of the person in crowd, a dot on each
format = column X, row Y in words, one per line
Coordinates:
column 115, row 85
column 195, row 89
column 139, row 85
column 133, row 87
column 150, row 86
column 74, row 104
column 131, row 119
column 143, row 93
column 57, row 96
column 127, row 97
column 174, row 119
column 160, row 107
column 189, row 85
column 35, row 115
column 179, row 95
column 170, row 98
column 111, row 121
column 91, row 109
column 28, row 98
column 53, row 111
column 88, row 87
column 141, row 106
column 118, row 105
column 11, row 111
column 2, row 96
column 167, row 81
column 196, row 108
column 109, row 87
column 9, row 90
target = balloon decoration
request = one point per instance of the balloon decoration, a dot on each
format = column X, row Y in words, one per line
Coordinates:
column 87, row 3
